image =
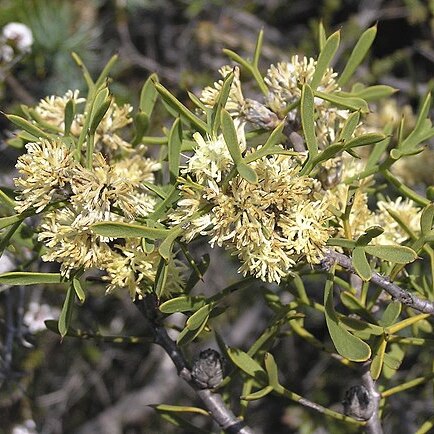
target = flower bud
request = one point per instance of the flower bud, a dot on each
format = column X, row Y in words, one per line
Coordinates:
column 207, row 370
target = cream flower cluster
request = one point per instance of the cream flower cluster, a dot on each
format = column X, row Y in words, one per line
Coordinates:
column 283, row 82
column 270, row 225
column 71, row 197
column 361, row 217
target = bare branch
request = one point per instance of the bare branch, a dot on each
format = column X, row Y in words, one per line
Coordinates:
column 398, row 293
column 218, row 410
column 373, row 425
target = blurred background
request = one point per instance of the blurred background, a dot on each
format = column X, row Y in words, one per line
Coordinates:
column 83, row 386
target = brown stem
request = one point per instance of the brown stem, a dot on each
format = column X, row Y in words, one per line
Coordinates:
column 398, row 293
column 218, row 410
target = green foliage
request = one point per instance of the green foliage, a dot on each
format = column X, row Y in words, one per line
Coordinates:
column 281, row 180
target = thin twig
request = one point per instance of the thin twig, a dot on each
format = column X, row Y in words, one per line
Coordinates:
column 373, row 425
column 398, row 293
column 218, row 410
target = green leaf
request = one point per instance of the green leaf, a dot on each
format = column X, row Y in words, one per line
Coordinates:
column 179, row 409
column 148, row 95
column 230, row 136
column 361, row 264
column 374, row 93
column 341, row 242
column 426, row 219
column 187, row 335
column 66, row 313
column 174, row 145
column 184, row 303
column 247, row 173
column 28, row 278
column 365, row 139
column 340, row 100
column 272, row 371
column 346, row 344
column 325, row 58
column 85, row 71
column 395, row 254
column 78, row 289
column 221, row 102
column 100, row 106
column 369, row 234
column 390, row 314
column 378, row 359
column 180, row 108
column 258, row 48
column 69, row 116
column 349, row 127
column 307, row 120
column 28, row 126
column 127, row 230
column 358, row 54
column 105, row 72
column 141, row 125
column 173, row 418
column 161, row 278
column 258, row 394
column 196, row 320
column 10, row 220
column 166, row 246
column 322, row 37
column 248, row 365
column 7, row 198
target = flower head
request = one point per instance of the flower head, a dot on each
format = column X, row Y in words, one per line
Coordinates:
column 45, row 171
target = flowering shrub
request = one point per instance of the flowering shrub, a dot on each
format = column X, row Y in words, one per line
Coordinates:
column 288, row 178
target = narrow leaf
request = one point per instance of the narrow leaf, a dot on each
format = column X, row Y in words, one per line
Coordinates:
column 325, row 58
column 307, row 120
column 247, row 364
column 340, row 100
column 78, row 289
column 201, row 315
column 166, row 246
column 346, row 344
column 180, row 108
column 358, row 54
column 378, row 359
column 258, row 395
column 174, row 145
column 183, row 303
column 221, row 101
column 361, row 264
column 161, row 278
column 247, row 172
column 230, row 136
column 28, row 278
column 148, row 95
column 127, row 230
column 66, row 313
column 272, row 371
column 349, row 127
column 28, row 126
